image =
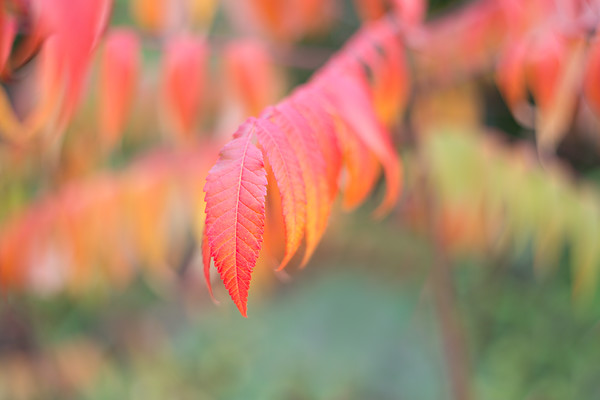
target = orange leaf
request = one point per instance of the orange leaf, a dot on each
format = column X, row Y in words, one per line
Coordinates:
column 360, row 163
column 118, row 70
column 288, row 174
column 147, row 197
column 13, row 247
column 250, row 75
column 201, row 12
column 272, row 17
column 310, row 15
column 554, row 119
column 350, row 98
column 235, row 211
column 512, row 82
column 302, row 138
column 183, row 82
column 383, row 53
column 544, row 68
column 361, row 166
column 151, row 15
column 510, row 75
column 369, row 10
column 274, row 238
column 324, row 127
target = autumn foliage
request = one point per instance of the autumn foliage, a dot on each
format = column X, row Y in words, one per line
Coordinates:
column 331, row 121
column 291, row 157
column 361, row 90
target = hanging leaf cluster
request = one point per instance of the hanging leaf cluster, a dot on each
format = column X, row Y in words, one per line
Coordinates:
column 331, row 124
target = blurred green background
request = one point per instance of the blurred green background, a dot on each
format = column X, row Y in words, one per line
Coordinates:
column 360, row 322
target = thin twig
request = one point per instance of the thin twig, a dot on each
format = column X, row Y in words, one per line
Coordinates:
column 453, row 341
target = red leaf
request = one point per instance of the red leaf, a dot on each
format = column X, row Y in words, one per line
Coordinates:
column 286, row 169
column 76, row 27
column 235, row 211
column 332, row 120
column 8, row 32
column 412, row 12
column 592, row 76
column 60, row 241
column 545, row 63
column 510, row 75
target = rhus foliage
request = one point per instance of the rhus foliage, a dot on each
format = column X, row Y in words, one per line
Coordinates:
column 277, row 181
column 545, row 47
column 329, row 124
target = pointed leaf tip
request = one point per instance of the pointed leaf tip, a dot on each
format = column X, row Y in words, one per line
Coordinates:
column 206, row 258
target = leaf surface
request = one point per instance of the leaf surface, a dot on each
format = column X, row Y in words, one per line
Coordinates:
column 361, row 167
column 235, row 211
column 290, row 181
column 383, row 53
column 323, row 126
column 351, row 99
column 302, row 138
